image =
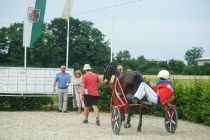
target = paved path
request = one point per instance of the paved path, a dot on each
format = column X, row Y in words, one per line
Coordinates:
column 69, row 126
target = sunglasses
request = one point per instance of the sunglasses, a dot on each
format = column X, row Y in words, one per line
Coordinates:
column 77, row 73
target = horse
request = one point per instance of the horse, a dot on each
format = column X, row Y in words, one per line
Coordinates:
column 129, row 81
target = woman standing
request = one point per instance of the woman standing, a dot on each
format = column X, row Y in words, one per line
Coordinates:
column 77, row 87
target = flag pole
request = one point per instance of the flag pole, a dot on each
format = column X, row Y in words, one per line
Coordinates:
column 25, row 47
column 25, row 53
column 66, row 16
column 67, row 44
column 24, row 36
column 112, row 17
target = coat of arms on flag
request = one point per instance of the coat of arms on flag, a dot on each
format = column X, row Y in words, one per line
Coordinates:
column 33, row 23
column 33, row 14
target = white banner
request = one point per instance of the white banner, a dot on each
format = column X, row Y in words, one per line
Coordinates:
column 18, row 80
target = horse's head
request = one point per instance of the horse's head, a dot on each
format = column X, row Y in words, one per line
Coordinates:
column 109, row 71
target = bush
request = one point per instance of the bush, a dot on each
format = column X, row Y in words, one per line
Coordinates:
column 105, row 94
column 25, row 103
column 192, row 99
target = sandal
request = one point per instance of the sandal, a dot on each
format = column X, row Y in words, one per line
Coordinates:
column 127, row 125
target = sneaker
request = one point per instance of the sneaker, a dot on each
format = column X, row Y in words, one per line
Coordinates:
column 97, row 121
column 59, row 110
column 65, row 111
column 85, row 121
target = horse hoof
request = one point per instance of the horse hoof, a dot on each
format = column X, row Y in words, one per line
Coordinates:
column 138, row 130
column 127, row 125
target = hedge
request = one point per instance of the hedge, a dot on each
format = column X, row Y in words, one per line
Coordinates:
column 192, row 99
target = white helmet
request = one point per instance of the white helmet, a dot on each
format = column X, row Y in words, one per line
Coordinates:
column 164, row 74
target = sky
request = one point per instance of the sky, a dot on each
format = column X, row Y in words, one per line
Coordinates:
column 157, row 29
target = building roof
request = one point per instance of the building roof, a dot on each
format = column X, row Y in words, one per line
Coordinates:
column 203, row 59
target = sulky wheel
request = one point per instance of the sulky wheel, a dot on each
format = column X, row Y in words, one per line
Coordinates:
column 171, row 119
column 115, row 120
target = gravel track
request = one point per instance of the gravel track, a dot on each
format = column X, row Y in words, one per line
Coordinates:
column 68, row 126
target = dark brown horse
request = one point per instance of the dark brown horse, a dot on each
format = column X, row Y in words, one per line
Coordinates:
column 129, row 82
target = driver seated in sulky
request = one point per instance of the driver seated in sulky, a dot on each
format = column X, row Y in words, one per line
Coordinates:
column 160, row 93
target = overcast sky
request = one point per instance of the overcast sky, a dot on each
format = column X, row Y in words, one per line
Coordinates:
column 157, row 29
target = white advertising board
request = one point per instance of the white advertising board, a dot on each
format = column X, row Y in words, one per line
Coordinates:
column 18, row 80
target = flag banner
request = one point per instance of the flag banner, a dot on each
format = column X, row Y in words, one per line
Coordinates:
column 33, row 22
column 67, row 9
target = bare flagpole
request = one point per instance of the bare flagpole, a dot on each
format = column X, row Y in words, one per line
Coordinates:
column 111, row 32
column 24, row 33
column 25, row 50
column 67, row 46
column 112, row 28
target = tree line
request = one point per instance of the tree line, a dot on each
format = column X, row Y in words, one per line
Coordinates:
column 87, row 44
column 177, row 67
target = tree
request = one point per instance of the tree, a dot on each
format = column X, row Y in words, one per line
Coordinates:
column 3, row 45
column 86, row 45
column 123, row 58
column 192, row 54
column 11, row 45
column 3, row 41
column 205, row 69
column 89, row 46
column 176, row 66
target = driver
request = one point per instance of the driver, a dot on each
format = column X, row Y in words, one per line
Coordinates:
column 160, row 93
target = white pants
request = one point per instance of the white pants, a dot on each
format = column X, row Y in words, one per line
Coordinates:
column 79, row 102
column 145, row 90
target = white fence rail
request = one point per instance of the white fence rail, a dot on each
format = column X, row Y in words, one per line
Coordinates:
column 184, row 77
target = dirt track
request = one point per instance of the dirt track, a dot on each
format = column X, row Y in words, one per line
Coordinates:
column 69, row 126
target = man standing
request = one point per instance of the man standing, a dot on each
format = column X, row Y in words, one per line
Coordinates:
column 120, row 70
column 89, row 92
column 63, row 80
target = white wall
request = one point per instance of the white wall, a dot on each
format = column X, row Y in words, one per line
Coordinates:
column 200, row 63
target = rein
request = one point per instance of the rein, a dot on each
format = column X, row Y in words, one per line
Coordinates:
column 114, row 91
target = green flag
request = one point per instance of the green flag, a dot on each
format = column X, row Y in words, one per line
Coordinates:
column 33, row 22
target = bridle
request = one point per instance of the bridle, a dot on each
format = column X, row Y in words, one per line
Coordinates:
column 109, row 71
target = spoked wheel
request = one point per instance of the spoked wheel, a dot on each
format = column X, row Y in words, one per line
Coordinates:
column 115, row 120
column 171, row 119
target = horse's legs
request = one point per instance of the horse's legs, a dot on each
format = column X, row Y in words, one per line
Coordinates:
column 140, row 119
column 129, row 115
column 122, row 114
